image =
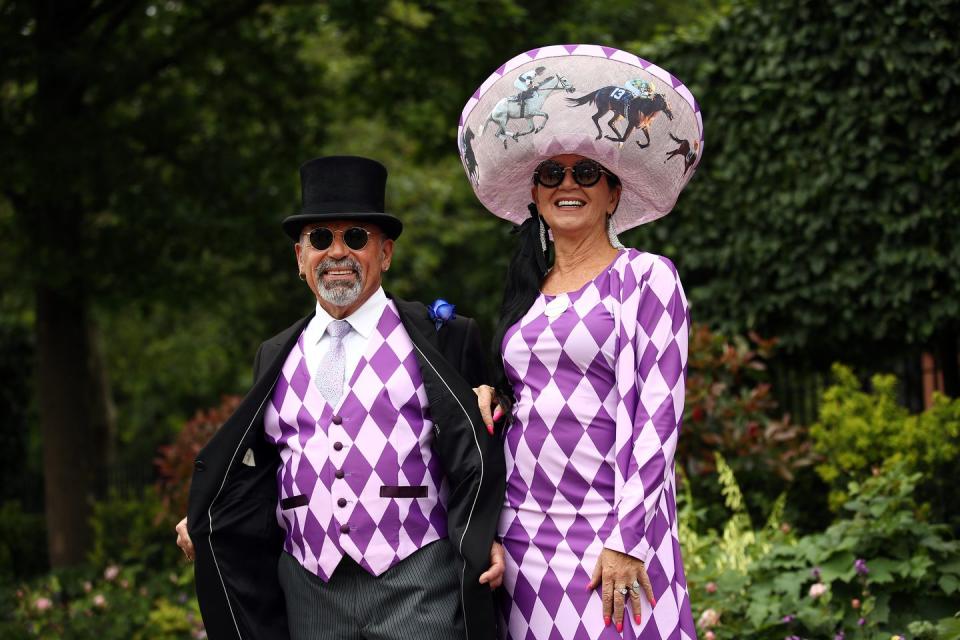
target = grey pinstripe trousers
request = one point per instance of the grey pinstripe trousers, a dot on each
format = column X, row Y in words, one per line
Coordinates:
column 416, row 599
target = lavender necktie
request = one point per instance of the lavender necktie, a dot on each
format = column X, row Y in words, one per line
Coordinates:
column 329, row 375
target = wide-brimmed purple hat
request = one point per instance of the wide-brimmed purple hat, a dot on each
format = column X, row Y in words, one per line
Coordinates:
column 628, row 114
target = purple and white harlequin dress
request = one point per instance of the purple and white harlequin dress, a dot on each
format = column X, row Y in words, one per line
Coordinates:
column 598, row 374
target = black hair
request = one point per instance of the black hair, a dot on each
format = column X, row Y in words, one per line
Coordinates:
column 525, row 275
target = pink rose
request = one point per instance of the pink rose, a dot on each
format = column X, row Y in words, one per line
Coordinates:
column 817, row 589
column 711, row 587
column 855, row 603
column 99, row 601
column 709, row 618
column 709, row 635
column 42, row 604
column 111, row 572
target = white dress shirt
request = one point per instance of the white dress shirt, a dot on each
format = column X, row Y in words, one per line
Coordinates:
column 363, row 321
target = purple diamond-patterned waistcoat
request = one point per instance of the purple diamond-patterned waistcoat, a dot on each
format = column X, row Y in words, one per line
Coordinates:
column 599, row 380
column 359, row 478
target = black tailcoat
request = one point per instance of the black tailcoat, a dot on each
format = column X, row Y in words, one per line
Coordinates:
column 232, row 509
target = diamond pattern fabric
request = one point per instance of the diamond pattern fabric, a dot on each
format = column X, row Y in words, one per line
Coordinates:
column 340, row 456
column 600, row 391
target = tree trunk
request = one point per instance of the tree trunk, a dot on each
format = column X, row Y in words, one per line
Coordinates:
column 74, row 420
column 948, row 361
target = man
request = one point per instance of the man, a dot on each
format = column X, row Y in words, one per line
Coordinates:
column 353, row 495
column 525, row 82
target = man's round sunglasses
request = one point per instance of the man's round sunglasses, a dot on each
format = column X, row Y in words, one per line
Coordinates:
column 586, row 173
column 356, row 238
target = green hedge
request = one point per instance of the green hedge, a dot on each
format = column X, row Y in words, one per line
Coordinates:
column 825, row 209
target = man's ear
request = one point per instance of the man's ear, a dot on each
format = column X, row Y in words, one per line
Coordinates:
column 386, row 254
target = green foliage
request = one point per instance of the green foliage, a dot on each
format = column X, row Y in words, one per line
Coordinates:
column 730, row 411
column 879, row 562
column 862, row 432
column 134, row 529
column 133, row 587
column 175, row 460
column 23, row 550
column 117, row 603
column 824, row 212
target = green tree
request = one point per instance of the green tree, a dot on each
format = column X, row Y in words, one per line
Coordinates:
column 145, row 148
column 825, row 210
column 148, row 150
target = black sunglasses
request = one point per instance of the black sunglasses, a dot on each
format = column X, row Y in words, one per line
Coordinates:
column 551, row 173
column 355, row 238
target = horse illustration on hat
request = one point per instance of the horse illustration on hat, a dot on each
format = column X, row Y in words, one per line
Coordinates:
column 525, row 105
column 469, row 157
column 638, row 110
column 684, row 151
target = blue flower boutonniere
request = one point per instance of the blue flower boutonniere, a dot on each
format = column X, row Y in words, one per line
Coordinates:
column 441, row 312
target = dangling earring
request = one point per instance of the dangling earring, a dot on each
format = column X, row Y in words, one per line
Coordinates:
column 543, row 233
column 303, row 276
column 612, row 234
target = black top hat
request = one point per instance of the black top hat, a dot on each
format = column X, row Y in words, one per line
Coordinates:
column 342, row 188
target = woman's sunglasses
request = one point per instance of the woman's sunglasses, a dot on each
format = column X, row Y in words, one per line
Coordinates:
column 355, row 238
column 586, row 173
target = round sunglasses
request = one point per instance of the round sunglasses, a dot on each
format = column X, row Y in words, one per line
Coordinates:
column 551, row 173
column 356, row 238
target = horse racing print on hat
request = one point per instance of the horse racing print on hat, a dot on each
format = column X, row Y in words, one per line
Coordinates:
column 633, row 117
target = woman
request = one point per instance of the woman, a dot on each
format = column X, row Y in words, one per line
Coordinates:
column 591, row 353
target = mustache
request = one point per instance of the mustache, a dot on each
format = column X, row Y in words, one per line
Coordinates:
column 347, row 262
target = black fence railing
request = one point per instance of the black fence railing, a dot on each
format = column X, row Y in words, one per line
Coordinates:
column 798, row 392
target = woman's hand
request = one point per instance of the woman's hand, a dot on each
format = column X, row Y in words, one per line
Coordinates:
column 494, row 575
column 489, row 407
column 621, row 576
column 183, row 539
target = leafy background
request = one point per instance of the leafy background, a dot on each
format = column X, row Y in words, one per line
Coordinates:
column 148, row 151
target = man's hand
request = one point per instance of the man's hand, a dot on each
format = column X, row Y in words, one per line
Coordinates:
column 489, row 407
column 183, row 539
column 494, row 575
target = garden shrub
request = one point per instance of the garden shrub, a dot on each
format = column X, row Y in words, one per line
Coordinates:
column 132, row 527
column 120, row 602
column 23, row 542
column 730, row 410
column 175, row 461
column 860, row 433
column 878, row 571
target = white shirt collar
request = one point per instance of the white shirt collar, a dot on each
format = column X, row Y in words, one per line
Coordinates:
column 364, row 320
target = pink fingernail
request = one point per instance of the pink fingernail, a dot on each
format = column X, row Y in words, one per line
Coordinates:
column 619, row 627
column 587, row 587
column 606, row 621
column 653, row 602
column 490, row 429
column 497, row 414
column 637, row 618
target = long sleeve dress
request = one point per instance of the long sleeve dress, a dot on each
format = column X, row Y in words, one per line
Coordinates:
column 598, row 375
